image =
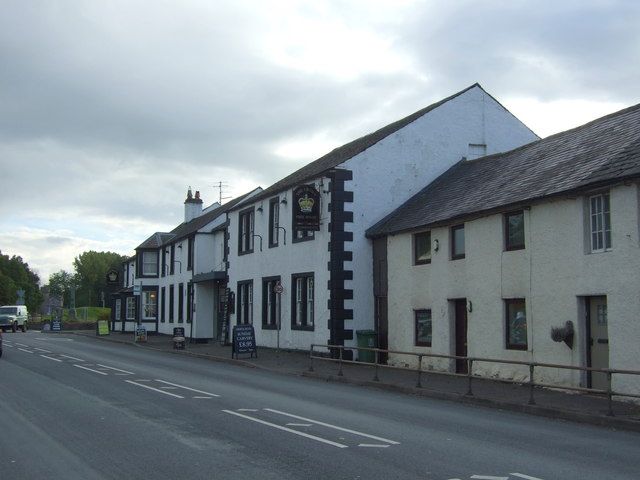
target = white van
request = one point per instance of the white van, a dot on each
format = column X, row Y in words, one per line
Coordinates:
column 14, row 317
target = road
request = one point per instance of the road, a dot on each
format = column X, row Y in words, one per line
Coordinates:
column 80, row 408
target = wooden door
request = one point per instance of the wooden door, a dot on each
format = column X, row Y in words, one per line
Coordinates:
column 598, row 341
column 461, row 334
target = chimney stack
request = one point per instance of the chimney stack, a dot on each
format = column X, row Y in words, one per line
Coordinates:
column 192, row 206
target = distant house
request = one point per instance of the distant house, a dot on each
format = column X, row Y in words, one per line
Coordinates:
column 302, row 277
column 182, row 274
column 496, row 253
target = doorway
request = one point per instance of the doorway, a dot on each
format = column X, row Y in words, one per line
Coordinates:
column 597, row 341
column 460, row 314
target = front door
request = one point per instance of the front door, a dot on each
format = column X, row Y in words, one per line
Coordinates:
column 461, row 334
column 598, row 341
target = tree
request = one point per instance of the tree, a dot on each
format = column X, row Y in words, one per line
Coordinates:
column 60, row 283
column 91, row 269
column 15, row 275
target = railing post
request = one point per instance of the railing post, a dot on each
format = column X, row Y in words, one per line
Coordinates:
column 375, row 377
column 469, row 376
column 531, row 384
column 311, row 358
column 609, row 395
column 340, row 362
column 419, row 382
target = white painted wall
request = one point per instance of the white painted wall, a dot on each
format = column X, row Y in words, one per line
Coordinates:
column 384, row 176
column 553, row 273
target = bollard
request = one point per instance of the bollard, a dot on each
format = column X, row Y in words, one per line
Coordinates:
column 469, row 376
column 340, row 374
column 311, row 358
column 531, row 384
column 375, row 377
column 609, row 395
column 419, row 383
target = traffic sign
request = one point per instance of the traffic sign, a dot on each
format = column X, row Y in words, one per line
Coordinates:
column 137, row 289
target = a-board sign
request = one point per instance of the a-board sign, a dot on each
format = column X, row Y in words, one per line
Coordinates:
column 56, row 326
column 141, row 334
column 244, row 341
column 103, row 327
column 178, row 331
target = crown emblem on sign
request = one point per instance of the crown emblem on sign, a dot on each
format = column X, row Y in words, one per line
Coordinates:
column 306, row 204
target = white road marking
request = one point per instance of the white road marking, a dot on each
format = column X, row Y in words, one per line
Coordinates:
column 116, row 369
column 51, row 358
column 372, row 445
column 290, row 430
column 522, row 475
column 22, row 345
column 187, row 388
column 355, row 432
column 247, row 409
column 90, row 369
column 28, row 351
column 488, row 477
column 8, row 345
column 72, row 358
column 154, row 389
column 42, row 350
column 298, row 424
column 142, row 380
column 208, row 398
column 169, row 388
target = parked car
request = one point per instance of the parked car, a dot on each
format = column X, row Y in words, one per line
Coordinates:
column 14, row 317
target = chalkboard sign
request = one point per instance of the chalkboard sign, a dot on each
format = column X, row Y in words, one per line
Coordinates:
column 140, row 334
column 244, row 341
column 178, row 331
column 103, row 327
column 56, row 326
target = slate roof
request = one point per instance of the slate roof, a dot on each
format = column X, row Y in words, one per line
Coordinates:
column 185, row 229
column 601, row 152
column 351, row 149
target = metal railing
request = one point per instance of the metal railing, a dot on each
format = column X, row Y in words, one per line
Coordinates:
column 470, row 361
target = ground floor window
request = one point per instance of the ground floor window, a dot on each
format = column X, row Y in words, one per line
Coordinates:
column 149, row 304
column 171, row 296
column 423, row 327
column 131, row 308
column 245, row 302
column 163, row 303
column 302, row 301
column 270, row 302
column 516, row 323
column 117, row 309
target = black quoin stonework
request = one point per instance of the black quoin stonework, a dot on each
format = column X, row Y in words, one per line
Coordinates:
column 338, row 314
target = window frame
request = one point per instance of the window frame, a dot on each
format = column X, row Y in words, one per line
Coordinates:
column 245, row 303
column 417, row 342
column 172, row 303
column 517, row 246
column 274, row 222
column 144, row 263
column 190, row 252
column 300, row 307
column 246, row 226
column 130, row 304
column 270, row 303
column 605, row 217
column 508, row 328
column 181, row 302
column 452, row 231
column 163, row 304
column 190, row 295
column 144, row 304
column 117, row 307
column 416, row 260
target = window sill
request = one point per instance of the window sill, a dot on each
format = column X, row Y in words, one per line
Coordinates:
column 273, row 245
column 606, row 250
column 521, row 348
column 458, row 257
column 269, row 327
column 514, row 248
column 246, row 252
column 303, row 239
column 419, row 344
column 423, row 262
column 304, row 328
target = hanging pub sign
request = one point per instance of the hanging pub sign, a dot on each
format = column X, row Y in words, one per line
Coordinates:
column 306, row 208
column 112, row 277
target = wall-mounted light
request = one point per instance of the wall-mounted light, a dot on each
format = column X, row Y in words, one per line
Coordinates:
column 180, row 246
column 469, row 306
column 436, row 245
column 260, row 208
column 283, row 201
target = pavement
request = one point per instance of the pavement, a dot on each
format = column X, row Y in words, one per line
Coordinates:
column 559, row 404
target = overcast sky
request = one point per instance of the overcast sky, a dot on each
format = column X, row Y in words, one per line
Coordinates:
column 109, row 110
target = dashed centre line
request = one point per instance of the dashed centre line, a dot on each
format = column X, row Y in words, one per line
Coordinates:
column 116, row 369
column 154, row 389
column 51, row 358
column 42, row 350
column 72, row 358
column 188, row 388
column 90, row 369
column 25, row 350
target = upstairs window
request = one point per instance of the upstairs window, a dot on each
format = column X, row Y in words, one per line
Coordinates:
column 422, row 248
column 514, row 230
column 149, row 263
column 457, row 242
column 245, row 232
column 477, row 150
column 274, row 221
column 190, row 252
column 600, row 216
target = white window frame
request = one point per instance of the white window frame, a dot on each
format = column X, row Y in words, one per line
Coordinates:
column 245, row 309
column 600, row 223
column 118, row 308
column 131, row 308
column 149, row 304
column 149, row 267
